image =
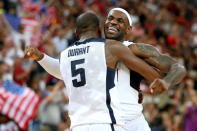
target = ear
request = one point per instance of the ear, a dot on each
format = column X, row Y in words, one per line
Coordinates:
column 128, row 33
column 76, row 33
column 129, row 29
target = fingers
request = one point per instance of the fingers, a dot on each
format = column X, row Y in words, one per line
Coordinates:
column 154, row 86
column 151, row 87
column 26, row 52
column 151, row 91
column 158, row 86
column 31, row 52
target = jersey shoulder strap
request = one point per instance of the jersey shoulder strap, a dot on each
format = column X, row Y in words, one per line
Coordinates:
column 127, row 43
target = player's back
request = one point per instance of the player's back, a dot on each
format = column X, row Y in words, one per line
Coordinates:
column 93, row 97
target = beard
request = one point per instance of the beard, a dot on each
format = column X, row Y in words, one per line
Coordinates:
column 119, row 37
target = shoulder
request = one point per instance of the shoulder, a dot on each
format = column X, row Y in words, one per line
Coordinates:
column 140, row 45
column 127, row 43
column 113, row 43
column 117, row 48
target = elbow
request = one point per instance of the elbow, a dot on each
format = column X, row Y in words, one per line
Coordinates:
column 182, row 70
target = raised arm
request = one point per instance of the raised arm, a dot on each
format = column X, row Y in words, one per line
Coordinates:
column 165, row 63
column 51, row 65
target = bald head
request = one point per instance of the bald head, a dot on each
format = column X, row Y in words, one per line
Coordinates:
column 87, row 22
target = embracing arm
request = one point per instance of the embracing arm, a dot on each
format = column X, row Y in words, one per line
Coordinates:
column 123, row 54
column 51, row 65
column 175, row 71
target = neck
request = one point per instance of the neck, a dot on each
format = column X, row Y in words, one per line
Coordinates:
column 88, row 35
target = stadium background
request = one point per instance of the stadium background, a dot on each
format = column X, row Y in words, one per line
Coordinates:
column 169, row 25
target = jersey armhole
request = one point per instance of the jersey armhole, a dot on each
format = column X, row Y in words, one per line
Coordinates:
column 127, row 43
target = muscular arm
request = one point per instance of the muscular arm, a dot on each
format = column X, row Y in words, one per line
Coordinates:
column 175, row 71
column 123, row 54
column 51, row 65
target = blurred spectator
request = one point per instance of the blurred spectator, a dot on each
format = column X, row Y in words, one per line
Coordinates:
column 7, row 125
column 50, row 109
column 169, row 25
column 14, row 100
column 60, row 41
column 190, row 118
column 154, row 119
column 20, row 74
column 12, row 17
column 1, row 7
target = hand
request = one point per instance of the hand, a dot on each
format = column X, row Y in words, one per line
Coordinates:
column 159, row 86
column 190, row 83
column 33, row 53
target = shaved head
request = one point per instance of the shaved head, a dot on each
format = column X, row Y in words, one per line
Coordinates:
column 87, row 22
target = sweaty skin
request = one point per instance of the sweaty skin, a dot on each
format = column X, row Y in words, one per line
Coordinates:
column 163, row 62
column 117, row 52
column 117, row 27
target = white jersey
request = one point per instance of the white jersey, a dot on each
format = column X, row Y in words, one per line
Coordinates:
column 93, row 97
column 128, row 86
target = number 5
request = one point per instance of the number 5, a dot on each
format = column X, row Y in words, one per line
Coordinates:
column 80, row 71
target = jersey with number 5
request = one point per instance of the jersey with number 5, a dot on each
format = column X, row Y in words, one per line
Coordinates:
column 91, row 85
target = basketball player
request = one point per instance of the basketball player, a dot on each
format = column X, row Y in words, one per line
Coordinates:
column 129, row 101
column 88, row 70
column 129, row 79
column 117, row 26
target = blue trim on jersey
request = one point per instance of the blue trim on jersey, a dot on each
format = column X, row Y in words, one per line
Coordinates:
column 110, row 84
column 90, row 40
column 112, row 127
column 135, row 80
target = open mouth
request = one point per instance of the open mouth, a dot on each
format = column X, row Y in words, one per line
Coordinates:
column 112, row 29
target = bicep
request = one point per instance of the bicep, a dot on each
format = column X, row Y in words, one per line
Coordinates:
column 134, row 63
column 143, row 50
column 161, row 62
column 153, row 57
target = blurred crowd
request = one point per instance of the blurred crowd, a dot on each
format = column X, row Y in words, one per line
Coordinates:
column 49, row 25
